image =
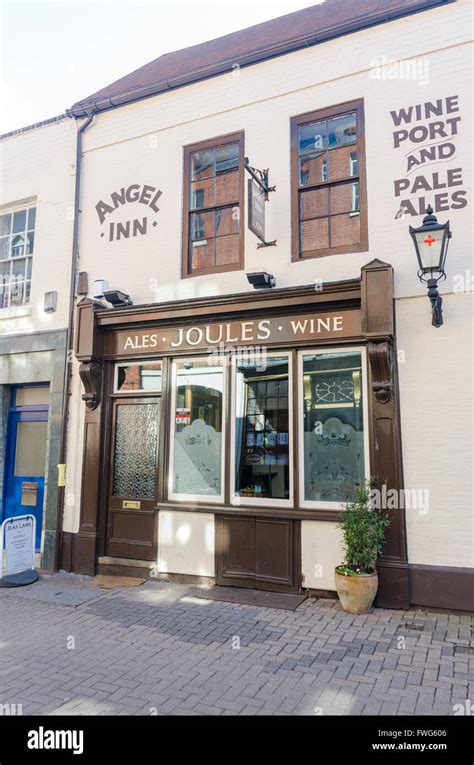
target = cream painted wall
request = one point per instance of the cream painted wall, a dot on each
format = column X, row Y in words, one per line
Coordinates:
column 321, row 551
column 186, row 543
column 143, row 143
column 38, row 167
column 436, row 401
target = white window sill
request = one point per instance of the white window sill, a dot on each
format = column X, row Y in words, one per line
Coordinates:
column 15, row 313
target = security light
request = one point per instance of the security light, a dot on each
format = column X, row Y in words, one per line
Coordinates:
column 261, row 279
column 118, row 298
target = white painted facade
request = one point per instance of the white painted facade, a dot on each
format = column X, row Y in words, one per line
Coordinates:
column 142, row 143
column 38, row 169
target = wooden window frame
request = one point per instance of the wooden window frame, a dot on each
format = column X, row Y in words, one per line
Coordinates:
column 304, row 119
column 223, row 140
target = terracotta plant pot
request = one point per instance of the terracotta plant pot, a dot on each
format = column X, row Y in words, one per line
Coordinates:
column 357, row 591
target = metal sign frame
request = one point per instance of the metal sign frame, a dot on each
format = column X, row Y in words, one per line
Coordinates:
column 28, row 576
column 259, row 179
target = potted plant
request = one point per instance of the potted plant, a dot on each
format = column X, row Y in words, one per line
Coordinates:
column 363, row 529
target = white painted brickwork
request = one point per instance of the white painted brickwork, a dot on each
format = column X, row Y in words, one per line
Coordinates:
column 39, row 166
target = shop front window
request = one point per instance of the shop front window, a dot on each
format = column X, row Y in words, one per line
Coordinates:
column 333, row 441
column 262, row 442
column 197, row 425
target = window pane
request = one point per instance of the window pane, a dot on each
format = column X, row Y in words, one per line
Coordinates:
column 333, row 426
column 30, row 240
column 340, row 163
column 4, row 294
column 18, row 246
column 5, row 224
column 139, row 377
column 4, row 271
column 313, row 169
column 18, row 268
column 314, row 204
column 17, row 287
column 30, row 453
column 227, row 221
column 19, row 221
column 26, row 297
column 136, row 449
column 314, row 234
column 343, row 198
column 203, row 253
column 32, row 396
column 197, row 422
column 262, row 451
column 227, row 188
column 31, row 218
column 354, row 163
column 4, row 284
column 4, row 247
column 345, row 229
column 227, row 249
column 312, row 137
column 342, row 130
column 202, row 164
column 202, row 225
column 227, row 158
column 202, row 193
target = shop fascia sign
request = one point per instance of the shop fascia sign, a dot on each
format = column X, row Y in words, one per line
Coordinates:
column 232, row 334
column 134, row 194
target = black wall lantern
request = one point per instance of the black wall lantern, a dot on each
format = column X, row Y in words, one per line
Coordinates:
column 431, row 241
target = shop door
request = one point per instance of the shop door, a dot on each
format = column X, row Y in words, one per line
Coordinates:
column 25, row 462
column 260, row 553
column 131, row 517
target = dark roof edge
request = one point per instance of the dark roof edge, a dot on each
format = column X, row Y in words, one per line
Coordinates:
column 85, row 108
column 35, row 125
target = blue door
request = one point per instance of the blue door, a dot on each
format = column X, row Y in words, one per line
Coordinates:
column 26, row 455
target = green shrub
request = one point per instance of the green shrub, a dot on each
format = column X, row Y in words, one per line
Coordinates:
column 363, row 529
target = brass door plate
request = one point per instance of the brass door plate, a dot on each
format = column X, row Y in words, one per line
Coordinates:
column 131, row 504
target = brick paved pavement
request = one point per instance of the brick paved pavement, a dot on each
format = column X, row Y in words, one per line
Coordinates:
column 157, row 649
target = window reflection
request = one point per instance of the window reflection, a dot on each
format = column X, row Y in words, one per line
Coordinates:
column 136, row 377
column 197, row 426
column 333, row 426
column 262, row 429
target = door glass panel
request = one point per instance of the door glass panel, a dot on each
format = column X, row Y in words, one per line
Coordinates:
column 31, row 396
column 262, row 429
column 132, row 377
column 30, row 453
column 334, row 461
column 136, row 449
column 197, row 415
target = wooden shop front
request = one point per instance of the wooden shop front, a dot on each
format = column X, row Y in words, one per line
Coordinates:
column 263, row 409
